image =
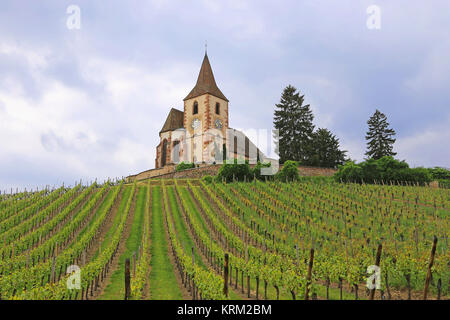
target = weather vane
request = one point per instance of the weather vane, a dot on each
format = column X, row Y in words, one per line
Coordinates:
column 206, row 46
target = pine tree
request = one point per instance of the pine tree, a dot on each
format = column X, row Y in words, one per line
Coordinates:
column 294, row 122
column 327, row 151
column 304, row 132
column 379, row 138
column 283, row 121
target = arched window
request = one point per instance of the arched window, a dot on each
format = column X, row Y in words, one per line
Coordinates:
column 224, row 152
column 195, row 109
column 164, row 153
column 247, row 148
column 217, row 108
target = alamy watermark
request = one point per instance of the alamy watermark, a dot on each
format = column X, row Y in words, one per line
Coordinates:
column 374, row 19
column 374, row 280
column 212, row 147
column 74, row 280
column 73, row 21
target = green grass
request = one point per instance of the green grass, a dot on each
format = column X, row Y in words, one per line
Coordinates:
column 116, row 289
column 335, row 295
column 163, row 284
column 184, row 236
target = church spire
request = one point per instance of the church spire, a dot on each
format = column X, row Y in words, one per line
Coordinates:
column 206, row 82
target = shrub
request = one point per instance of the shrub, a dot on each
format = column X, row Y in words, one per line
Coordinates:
column 239, row 171
column 207, row 179
column 438, row 173
column 387, row 162
column 256, row 171
column 413, row 175
column 385, row 169
column 444, row 183
column 349, row 172
column 289, row 172
column 370, row 171
column 421, row 175
column 184, row 165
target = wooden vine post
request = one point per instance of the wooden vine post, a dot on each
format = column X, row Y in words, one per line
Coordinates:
column 134, row 264
column 439, row 287
column 308, row 277
column 427, row 281
column 377, row 263
column 52, row 278
column 225, row 276
column 193, row 283
column 127, row 278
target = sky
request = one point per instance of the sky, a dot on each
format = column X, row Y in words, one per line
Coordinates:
column 88, row 103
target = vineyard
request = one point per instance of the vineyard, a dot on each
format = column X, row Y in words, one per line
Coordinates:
column 180, row 239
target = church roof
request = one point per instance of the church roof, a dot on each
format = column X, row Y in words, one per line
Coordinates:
column 206, row 83
column 174, row 120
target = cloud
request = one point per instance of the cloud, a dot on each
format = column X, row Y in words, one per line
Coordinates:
column 355, row 148
column 75, row 144
column 90, row 103
column 434, row 72
column 36, row 58
column 97, row 134
column 131, row 154
column 428, row 147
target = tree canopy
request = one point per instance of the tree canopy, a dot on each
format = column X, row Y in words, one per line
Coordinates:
column 379, row 138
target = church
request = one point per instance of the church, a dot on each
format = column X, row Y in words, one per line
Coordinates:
column 201, row 133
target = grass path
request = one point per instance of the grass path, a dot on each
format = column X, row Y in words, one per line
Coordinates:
column 163, row 284
column 115, row 290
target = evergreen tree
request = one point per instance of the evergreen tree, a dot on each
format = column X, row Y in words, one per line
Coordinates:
column 294, row 122
column 304, row 132
column 327, row 151
column 379, row 138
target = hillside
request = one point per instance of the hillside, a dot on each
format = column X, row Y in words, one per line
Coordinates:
column 176, row 233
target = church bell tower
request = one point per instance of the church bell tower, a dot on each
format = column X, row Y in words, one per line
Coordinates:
column 205, row 110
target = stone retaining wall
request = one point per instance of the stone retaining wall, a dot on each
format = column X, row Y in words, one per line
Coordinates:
column 168, row 172
column 152, row 173
column 315, row 171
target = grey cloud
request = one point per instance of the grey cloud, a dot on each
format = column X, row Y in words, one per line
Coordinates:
column 256, row 48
